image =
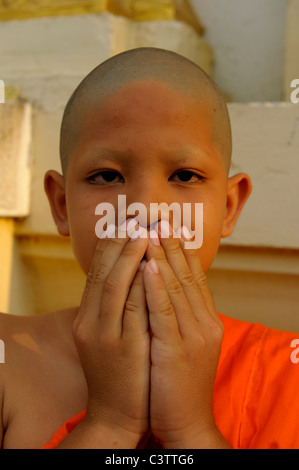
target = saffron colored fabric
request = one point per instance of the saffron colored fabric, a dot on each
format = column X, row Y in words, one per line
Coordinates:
column 256, row 404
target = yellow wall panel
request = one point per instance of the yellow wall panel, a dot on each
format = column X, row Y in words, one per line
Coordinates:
column 6, row 252
column 139, row 10
column 145, row 10
column 24, row 9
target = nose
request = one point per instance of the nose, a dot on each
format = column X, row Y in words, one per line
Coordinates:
column 150, row 207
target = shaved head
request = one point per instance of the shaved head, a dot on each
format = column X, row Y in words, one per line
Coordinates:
column 176, row 71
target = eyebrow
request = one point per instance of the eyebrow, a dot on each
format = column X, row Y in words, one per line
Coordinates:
column 176, row 156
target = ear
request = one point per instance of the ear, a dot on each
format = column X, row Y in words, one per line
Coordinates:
column 238, row 191
column 55, row 190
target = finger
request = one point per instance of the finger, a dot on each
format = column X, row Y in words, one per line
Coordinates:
column 162, row 317
column 99, row 282
column 135, row 318
column 193, row 260
column 106, row 253
column 117, row 286
column 181, row 304
column 171, row 250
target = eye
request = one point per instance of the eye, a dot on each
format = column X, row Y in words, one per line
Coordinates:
column 105, row 177
column 188, row 176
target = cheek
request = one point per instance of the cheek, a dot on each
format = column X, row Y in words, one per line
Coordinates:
column 82, row 221
column 83, row 248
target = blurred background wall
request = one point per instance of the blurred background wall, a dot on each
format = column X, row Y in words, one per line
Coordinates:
column 249, row 48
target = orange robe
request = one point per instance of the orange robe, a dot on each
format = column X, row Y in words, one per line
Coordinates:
column 256, row 402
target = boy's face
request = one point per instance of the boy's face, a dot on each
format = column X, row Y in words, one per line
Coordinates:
column 144, row 138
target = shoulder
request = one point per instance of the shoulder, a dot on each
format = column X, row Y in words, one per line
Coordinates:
column 258, row 340
column 21, row 337
column 259, row 375
column 241, row 338
column 6, row 328
column 15, row 332
column 257, row 352
column 6, row 321
column 30, row 345
column 34, row 332
column 4, row 335
column 8, row 324
column 13, row 328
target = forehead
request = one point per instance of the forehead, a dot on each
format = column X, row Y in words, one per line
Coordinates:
column 144, row 104
column 146, row 119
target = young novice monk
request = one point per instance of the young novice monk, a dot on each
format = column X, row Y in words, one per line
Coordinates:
column 145, row 360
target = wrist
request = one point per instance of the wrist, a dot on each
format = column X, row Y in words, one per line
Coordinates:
column 108, row 435
column 208, row 439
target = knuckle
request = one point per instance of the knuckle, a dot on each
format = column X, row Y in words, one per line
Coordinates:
column 165, row 308
column 96, row 274
column 131, row 306
column 80, row 333
column 217, row 331
column 187, row 278
column 175, row 288
column 112, row 286
column 201, row 279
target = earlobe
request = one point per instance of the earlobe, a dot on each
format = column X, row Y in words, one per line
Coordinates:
column 55, row 190
column 238, row 191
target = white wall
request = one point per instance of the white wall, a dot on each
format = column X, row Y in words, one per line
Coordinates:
column 248, row 40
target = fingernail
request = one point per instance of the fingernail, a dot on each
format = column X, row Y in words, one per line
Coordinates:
column 142, row 265
column 109, row 232
column 131, row 224
column 128, row 225
column 135, row 234
column 185, row 233
column 154, row 238
column 152, row 264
